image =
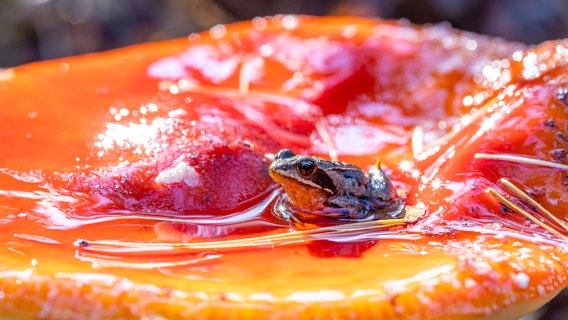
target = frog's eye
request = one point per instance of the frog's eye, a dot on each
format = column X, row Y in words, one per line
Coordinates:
column 306, row 167
column 284, row 154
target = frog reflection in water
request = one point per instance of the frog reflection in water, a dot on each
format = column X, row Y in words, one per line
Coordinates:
column 321, row 188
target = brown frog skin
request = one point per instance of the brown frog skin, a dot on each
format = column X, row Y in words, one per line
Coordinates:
column 334, row 189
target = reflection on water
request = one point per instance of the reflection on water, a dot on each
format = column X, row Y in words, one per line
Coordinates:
column 163, row 240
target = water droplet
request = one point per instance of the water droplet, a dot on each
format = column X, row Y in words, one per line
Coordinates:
column 173, row 89
column 471, row 45
column 152, row 107
column 194, row 38
column 64, row 67
column 562, row 95
column 530, row 67
column 349, row 31
column 298, row 77
column 517, row 56
column 260, row 24
column 266, row 50
column 124, row 112
column 290, row 22
column 217, row 32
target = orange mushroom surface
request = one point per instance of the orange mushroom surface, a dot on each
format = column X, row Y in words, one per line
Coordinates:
column 134, row 182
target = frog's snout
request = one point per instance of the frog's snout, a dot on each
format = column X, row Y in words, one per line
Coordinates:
column 275, row 173
column 276, row 168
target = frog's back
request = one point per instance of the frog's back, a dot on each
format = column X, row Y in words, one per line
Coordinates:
column 382, row 192
column 348, row 179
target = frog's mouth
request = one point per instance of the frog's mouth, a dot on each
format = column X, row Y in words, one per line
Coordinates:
column 279, row 178
column 306, row 196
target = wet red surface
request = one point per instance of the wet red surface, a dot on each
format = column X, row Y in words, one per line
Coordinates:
column 112, row 146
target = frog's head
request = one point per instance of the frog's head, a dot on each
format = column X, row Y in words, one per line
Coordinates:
column 305, row 181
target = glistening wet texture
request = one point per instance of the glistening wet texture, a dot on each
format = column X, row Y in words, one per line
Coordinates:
column 425, row 100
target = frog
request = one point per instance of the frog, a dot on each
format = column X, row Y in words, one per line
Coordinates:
column 316, row 187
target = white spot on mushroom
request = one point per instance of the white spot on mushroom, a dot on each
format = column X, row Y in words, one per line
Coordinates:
column 470, row 283
column 522, row 280
column 313, row 296
column 263, row 296
column 181, row 172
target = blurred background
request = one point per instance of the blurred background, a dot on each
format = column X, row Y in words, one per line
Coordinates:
column 32, row 30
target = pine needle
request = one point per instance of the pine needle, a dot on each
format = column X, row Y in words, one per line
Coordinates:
column 520, row 159
column 521, row 194
column 327, row 140
column 109, row 262
column 125, row 247
column 417, row 140
column 502, row 199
